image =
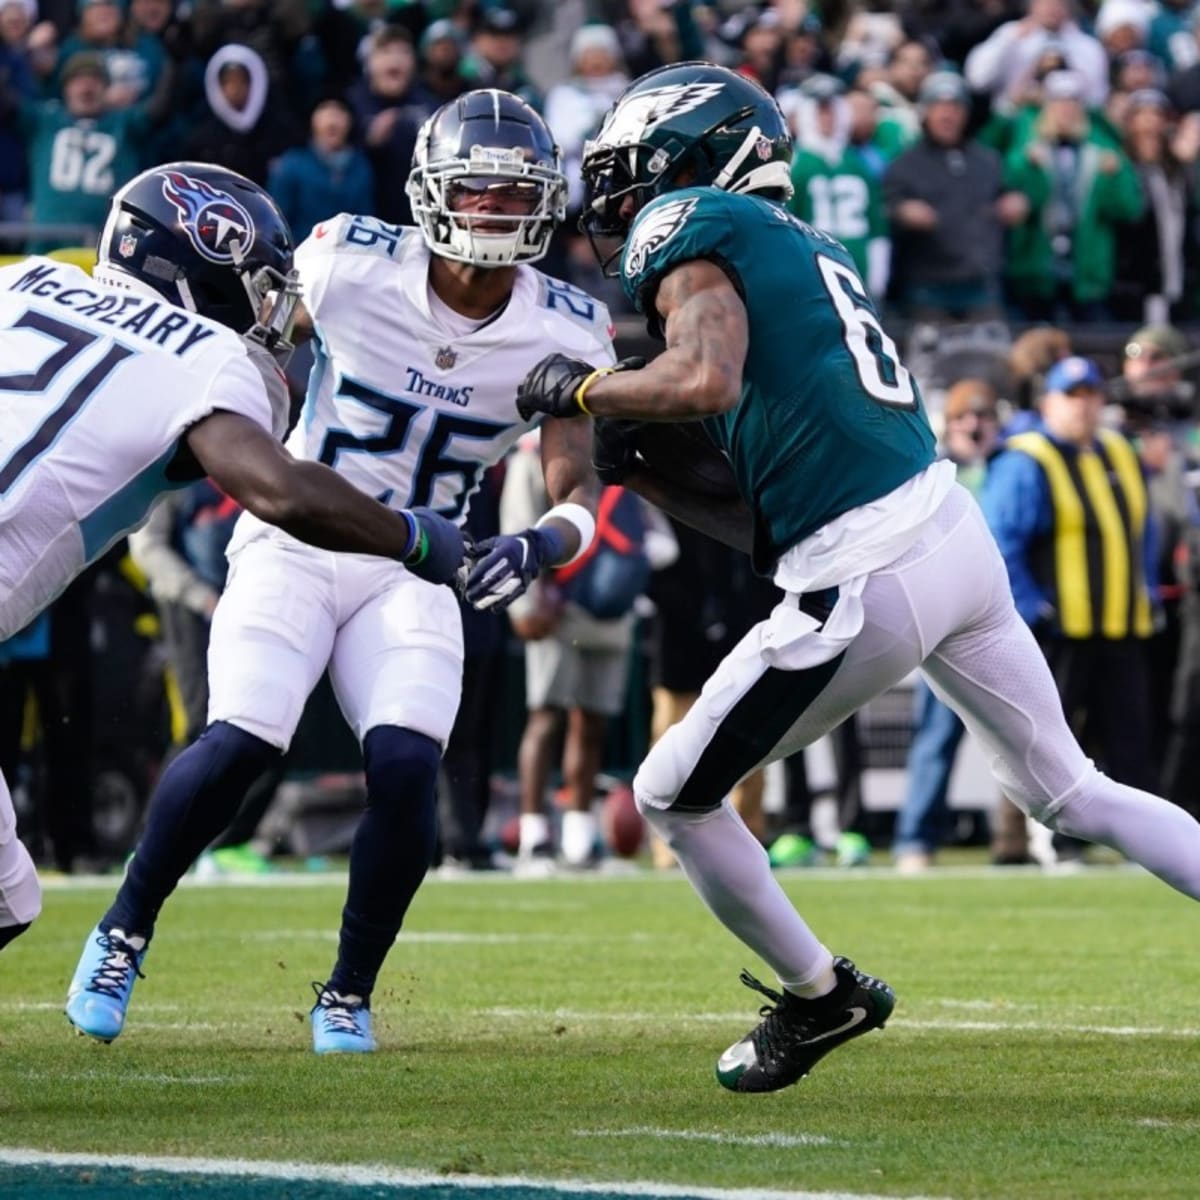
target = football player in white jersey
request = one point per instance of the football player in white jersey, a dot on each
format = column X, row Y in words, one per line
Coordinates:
column 154, row 372
column 421, row 336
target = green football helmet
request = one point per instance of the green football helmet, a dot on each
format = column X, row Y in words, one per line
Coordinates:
column 690, row 124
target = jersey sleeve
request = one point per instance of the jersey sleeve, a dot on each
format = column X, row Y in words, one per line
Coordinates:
column 671, row 230
column 251, row 386
column 347, row 233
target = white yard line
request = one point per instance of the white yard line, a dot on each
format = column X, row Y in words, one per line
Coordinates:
column 774, row 1140
column 380, row 1176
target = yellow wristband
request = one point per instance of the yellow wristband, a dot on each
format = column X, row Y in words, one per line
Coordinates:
column 587, row 383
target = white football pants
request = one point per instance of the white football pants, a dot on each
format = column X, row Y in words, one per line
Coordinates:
column 392, row 642
column 944, row 605
column 20, row 892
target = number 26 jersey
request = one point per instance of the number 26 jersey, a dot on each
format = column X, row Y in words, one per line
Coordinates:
column 406, row 400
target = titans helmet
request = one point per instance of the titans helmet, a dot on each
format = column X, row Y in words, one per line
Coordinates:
column 691, row 124
column 209, row 240
column 487, row 141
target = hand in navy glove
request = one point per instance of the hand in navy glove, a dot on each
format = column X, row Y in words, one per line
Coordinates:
column 613, row 451
column 505, row 566
column 437, row 547
column 552, row 386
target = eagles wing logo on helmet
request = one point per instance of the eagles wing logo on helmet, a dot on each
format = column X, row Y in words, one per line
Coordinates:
column 654, row 230
column 212, row 219
column 635, row 117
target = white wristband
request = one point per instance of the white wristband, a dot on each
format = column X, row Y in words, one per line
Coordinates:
column 577, row 515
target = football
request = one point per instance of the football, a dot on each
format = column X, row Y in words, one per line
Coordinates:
column 682, row 454
column 621, row 823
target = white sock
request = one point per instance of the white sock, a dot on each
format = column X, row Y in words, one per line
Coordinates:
column 577, row 836
column 535, row 831
column 728, row 867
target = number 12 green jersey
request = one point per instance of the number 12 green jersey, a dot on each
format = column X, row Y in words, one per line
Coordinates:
column 829, row 418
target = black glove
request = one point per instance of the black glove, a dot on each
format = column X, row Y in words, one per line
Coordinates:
column 551, row 387
column 438, row 547
column 613, row 451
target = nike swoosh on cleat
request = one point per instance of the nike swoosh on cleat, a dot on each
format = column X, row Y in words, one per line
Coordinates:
column 857, row 1017
column 740, row 1054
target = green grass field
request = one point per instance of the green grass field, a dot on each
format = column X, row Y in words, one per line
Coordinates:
column 1046, row 1042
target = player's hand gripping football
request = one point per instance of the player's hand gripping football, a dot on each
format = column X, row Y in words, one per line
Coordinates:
column 613, row 450
column 553, row 385
column 437, row 547
column 505, row 566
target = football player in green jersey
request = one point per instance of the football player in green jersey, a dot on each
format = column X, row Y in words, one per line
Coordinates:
column 885, row 562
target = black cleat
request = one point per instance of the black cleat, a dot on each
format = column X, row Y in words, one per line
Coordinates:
column 795, row 1034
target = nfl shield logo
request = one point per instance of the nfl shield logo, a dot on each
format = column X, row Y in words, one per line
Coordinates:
column 127, row 246
column 445, row 358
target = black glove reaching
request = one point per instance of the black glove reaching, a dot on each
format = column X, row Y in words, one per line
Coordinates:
column 552, row 386
column 613, row 450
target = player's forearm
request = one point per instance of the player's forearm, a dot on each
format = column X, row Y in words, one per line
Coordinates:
column 729, row 522
column 318, row 506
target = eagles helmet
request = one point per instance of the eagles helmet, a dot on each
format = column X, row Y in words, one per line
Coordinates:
column 691, row 124
column 209, row 240
column 487, row 139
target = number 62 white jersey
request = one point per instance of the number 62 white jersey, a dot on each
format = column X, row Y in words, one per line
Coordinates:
column 405, row 407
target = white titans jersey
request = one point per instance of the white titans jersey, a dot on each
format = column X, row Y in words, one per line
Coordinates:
column 97, row 385
column 407, row 410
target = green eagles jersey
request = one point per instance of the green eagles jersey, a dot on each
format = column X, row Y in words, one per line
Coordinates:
column 842, row 199
column 829, row 417
column 76, row 164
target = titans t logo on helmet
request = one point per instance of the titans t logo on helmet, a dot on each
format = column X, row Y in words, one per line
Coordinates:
column 212, row 219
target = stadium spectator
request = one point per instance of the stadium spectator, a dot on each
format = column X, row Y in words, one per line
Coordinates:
column 279, row 32
column 1029, row 358
column 1183, row 86
column 867, row 135
column 1158, row 254
column 1122, row 26
column 948, row 210
column 135, row 60
column 1170, row 38
column 1135, row 71
column 242, row 130
column 1000, row 63
column 495, row 57
column 833, row 187
column 898, row 93
column 441, row 50
column 1080, row 185
column 762, row 49
column 328, row 176
column 575, row 107
column 389, row 107
column 653, row 34
column 970, row 440
column 79, row 151
column 1067, row 505
column 17, row 78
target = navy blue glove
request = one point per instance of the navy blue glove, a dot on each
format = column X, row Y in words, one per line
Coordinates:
column 505, row 566
column 437, row 548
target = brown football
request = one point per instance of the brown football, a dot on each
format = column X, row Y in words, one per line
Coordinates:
column 682, row 453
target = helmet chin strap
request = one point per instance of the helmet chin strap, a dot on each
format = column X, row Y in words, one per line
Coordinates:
column 736, row 160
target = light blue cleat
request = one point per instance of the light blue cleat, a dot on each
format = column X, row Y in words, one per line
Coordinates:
column 340, row 1024
column 99, row 992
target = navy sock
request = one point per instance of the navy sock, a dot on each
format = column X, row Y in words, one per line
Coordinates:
column 11, row 933
column 196, row 798
column 392, row 849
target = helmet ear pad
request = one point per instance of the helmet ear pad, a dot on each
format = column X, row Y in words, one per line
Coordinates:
column 202, row 236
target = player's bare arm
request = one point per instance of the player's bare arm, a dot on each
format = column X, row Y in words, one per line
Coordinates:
column 698, row 375
column 315, row 504
column 567, row 469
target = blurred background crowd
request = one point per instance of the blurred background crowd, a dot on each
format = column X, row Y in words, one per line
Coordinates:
column 1017, row 180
